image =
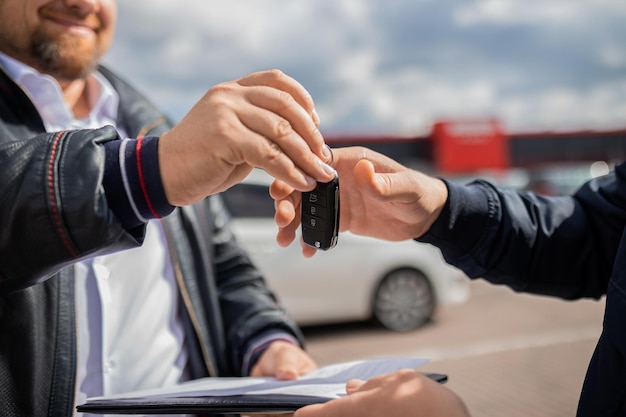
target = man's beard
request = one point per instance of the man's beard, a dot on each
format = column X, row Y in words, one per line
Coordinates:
column 66, row 58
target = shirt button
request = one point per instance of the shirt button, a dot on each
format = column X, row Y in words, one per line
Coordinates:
column 108, row 367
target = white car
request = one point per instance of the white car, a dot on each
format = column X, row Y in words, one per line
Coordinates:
column 397, row 283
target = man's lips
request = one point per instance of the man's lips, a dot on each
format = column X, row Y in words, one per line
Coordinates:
column 73, row 24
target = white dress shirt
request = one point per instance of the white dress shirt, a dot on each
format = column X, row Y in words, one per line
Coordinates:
column 130, row 335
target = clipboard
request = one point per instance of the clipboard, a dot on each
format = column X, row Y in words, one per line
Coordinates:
column 249, row 395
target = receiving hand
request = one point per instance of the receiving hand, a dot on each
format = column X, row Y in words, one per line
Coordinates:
column 265, row 120
column 399, row 394
column 379, row 198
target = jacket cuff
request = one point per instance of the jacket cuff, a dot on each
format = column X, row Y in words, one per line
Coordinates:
column 463, row 221
column 132, row 181
column 258, row 344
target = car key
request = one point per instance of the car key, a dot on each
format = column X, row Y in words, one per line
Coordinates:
column 320, row 215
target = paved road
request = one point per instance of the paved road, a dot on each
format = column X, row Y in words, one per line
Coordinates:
column 506, row 354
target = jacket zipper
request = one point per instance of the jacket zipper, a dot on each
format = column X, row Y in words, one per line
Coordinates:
column 147, row 128
column 77, row 349
column 187, row 301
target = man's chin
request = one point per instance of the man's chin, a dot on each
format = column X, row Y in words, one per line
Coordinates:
column 73, row 70
column 68, row 58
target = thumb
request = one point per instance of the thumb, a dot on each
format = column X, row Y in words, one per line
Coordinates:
column 399, row 186
column 366, row 178
column 353, row 385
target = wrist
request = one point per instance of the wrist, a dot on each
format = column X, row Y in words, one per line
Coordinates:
column 132, row 181
column 259, row 344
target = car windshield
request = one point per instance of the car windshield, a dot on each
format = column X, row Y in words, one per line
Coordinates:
column 249, row 200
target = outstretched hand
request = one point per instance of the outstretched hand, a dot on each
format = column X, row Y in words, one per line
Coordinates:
column 399, row 394
column 379, row 197
column 266, row 120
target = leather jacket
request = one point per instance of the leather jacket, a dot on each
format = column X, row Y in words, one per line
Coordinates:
column 53, row 212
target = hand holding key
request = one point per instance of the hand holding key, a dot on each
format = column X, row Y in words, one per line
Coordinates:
column 379, row 198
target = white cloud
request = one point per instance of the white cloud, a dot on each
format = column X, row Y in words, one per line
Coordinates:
column 602, row 107
column 390, row 66
column 613, row 55
column 536, row 12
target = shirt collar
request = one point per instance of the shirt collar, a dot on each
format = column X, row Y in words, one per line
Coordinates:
column 45, row 92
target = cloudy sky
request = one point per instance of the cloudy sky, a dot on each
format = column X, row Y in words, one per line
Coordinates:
column 390, row 66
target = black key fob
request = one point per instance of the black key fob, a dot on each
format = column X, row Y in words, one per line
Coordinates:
column 320, row 215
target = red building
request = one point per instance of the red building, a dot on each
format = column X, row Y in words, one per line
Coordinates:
column 455, row 147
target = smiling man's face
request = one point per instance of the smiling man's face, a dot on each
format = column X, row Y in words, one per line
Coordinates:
column 63, row 38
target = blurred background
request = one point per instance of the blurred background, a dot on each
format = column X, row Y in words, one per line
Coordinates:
column 381, row 66
column 529, row 94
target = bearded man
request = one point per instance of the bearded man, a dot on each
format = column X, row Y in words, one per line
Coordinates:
column 118, row 269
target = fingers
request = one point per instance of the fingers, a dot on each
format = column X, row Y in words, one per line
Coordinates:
column 281, row 81
column 293, row 365
column 360, row 404
column 365, row 176
column 307, row 251
column 400, row 186
column 399, row 394
column 284, row 361
column 315, row 410
column 380, row 198
column 291, row 362
column 288, row 211
column 287, row 203
column 285, row 157
column 344, row 407
column 357, row 385
column 290, row 136
column 287, row 217
column 268, row 128
column 354, row 385
column 286, row 116
column 264, row 120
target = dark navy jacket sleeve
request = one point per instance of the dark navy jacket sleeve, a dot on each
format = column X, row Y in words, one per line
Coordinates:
column 569, row 247
column 559, row 246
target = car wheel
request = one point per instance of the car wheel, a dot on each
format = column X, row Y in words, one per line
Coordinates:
column 404, row 300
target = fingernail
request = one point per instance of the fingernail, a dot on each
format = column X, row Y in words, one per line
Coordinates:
column 316, row 117
column 327, row 154
column 311, row 182
column 328, row 169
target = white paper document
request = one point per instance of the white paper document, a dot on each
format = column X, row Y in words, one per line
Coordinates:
column 329, row 381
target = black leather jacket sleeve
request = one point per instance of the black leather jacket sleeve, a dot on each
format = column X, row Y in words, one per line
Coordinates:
column 559, row 246
column 53, row 209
